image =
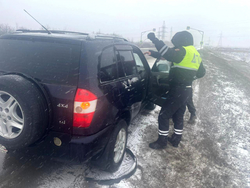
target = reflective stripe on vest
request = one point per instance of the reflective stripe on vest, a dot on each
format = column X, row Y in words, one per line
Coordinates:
column 191, row 61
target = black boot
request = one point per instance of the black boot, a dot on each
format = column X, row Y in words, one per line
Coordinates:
column 160, row 143
column 175, row 139
column 192, row 119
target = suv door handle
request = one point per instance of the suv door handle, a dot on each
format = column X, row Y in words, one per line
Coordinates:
column 126, row 84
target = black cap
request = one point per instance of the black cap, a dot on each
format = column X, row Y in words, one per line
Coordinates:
column 182, row 38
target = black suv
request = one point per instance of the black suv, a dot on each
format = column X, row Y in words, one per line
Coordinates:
column 72, row 93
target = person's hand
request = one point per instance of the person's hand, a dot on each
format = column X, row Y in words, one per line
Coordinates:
column 151, row 36
column 147, row 53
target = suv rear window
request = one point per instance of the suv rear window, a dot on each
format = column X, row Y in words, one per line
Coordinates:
column 108, row 70
column 128, row 62
column 56, row 63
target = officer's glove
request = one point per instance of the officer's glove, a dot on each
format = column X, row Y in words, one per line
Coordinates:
column 151, row 36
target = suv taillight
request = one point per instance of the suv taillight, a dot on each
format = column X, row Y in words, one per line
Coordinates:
column 84, row 108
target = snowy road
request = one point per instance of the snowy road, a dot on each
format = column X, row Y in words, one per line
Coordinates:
column 213, row 153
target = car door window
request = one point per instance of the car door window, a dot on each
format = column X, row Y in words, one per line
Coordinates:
column 121, row 72
column 108, row 70
column 138, row 62
column 128, row 62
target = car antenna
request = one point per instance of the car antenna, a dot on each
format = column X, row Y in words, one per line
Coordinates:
column 37, row 22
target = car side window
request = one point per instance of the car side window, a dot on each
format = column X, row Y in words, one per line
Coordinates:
column 108, row 70
column 128, row 62
column 138, row 62
column 119, row 65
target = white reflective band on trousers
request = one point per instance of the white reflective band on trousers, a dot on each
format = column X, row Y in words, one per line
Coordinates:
column 178, row 131
column 163, row 133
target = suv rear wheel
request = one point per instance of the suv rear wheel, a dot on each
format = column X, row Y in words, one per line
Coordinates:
column 23, row 112
column 113, row 154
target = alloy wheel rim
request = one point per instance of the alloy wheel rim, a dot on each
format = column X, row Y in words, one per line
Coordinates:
column 11, row 116
column 120, row 145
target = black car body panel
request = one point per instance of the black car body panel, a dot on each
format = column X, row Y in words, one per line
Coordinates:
column 114, row 70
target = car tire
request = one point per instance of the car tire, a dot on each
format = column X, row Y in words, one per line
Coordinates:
column 23, row 112
column 150, row 106
column 113, row 154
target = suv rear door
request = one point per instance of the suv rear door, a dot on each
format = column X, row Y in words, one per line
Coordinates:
column 130, row 85
column 143, row 70
column 108, row 75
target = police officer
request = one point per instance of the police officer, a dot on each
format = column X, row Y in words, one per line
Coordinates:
column 186, row 64
column 190, row 103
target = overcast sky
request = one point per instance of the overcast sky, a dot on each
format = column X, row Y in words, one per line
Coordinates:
column 131, row 17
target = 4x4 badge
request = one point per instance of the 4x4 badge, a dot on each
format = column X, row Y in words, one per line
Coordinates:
column 62, row 122
column 62, row 105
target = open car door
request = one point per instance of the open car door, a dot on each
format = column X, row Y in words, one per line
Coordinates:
column 159, row 85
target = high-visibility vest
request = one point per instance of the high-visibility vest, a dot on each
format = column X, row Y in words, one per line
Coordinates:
column 191, row 61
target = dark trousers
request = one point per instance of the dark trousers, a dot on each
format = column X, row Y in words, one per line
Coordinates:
column 190, row 104
column 174, row 108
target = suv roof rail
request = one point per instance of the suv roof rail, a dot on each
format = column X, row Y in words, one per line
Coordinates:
column 72, row 32
column 110, row 36
column 52, row 31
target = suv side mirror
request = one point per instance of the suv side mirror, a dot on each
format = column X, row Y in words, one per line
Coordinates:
column 161, row 65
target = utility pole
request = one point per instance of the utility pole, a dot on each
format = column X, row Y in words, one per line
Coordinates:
column 171, row 33
column 163, row 31
column 159, row 33
column 220, row 41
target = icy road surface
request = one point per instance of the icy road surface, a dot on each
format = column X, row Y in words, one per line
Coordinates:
column 213, row 153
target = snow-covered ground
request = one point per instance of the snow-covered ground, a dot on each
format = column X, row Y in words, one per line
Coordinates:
column 239, row 56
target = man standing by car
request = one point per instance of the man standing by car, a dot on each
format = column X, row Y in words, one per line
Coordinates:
column 186, row 64
column 190, row 103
